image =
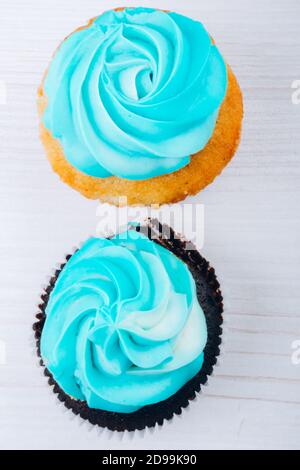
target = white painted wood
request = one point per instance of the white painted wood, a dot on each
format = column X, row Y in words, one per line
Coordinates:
column 252, row 226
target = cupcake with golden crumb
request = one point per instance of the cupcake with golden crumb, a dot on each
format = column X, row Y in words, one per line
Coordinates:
column 139, row 103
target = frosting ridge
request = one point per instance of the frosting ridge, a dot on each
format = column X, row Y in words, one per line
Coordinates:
column 124, row 327
column 135, row 93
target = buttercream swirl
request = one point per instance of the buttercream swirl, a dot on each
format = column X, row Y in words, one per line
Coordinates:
column 123, row 326
column 135, row 93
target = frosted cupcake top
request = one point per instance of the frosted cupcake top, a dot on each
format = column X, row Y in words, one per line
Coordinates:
column 123, row 327
column 135, row 93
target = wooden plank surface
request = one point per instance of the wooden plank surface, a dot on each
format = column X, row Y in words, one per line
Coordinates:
column 252, row 225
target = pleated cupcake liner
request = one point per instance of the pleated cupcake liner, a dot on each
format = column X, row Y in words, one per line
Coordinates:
column 211, row 301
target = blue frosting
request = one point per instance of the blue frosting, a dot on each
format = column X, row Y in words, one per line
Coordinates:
column 123, row 327
column 135, row 93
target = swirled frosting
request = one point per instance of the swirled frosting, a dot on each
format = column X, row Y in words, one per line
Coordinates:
column 135, row 93
column 123, row 326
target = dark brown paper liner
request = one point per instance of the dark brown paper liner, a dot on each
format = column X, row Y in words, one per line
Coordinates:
column 211, row 301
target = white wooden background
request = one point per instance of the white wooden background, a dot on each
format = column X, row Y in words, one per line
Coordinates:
column 252, row 234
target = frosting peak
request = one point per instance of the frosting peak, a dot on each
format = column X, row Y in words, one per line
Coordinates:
column 123, row 327
column 135, row 93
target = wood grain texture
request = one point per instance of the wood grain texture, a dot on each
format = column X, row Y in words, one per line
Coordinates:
column 252, row 225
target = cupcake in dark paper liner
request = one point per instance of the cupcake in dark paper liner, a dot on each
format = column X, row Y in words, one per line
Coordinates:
column 129, row 327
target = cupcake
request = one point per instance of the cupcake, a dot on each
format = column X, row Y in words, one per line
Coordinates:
column 139, row 103
column 129, row 328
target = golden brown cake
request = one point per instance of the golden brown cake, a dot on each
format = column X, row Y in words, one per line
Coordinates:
column 218, row 130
